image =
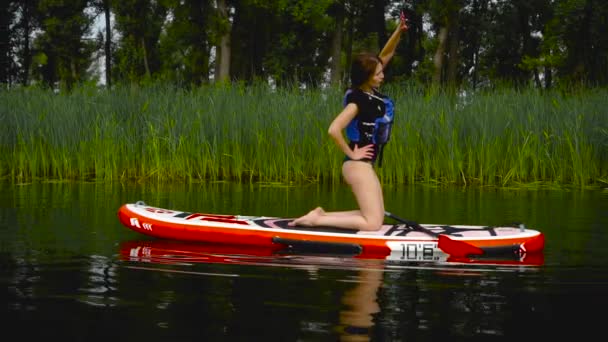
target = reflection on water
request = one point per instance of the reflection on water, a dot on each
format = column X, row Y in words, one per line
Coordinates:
column 357, row 319
column 359, row 309
column 100, row 286
column 74, row 272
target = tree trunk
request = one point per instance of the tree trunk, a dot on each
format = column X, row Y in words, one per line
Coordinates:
column 222, row 58
column 5, row 55
column 348, row 46
column 27, row 52
column 548, row 77
column 526, row 43
column 336, row 46
column 108, row 44
column 454, row 55
column 379, row 11
column 475, row 66
column 479, row 11
column 439, row 58
column 145, row 56
column 73, row 78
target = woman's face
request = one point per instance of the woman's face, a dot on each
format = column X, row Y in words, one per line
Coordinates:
column 377, row 77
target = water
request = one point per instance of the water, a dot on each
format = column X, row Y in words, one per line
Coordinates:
column 66, row 266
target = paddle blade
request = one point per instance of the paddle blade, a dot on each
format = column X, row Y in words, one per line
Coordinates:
column 457, row 248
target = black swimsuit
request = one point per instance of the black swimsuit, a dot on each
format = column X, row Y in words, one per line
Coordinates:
column 360, row 131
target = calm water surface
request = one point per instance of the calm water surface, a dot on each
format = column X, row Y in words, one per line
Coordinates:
column 65, row 265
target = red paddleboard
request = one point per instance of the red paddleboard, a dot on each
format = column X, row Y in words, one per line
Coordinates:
column 406, row 241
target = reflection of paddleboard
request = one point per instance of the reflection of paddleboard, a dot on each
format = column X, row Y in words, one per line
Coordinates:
column 178, row 252
column 406, row 241
column 173, row 252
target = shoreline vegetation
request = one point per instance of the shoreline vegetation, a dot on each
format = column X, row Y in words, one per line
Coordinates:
column 254, row 133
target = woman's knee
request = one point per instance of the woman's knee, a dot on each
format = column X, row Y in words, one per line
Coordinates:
column 372, row 224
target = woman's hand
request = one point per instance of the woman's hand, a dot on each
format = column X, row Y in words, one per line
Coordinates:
column 388, row 50
column 403, row 22
column 365, row 152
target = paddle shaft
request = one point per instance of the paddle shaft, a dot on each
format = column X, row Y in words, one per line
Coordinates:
column 414, row 225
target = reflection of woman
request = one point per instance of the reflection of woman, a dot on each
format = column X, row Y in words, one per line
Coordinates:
column 362, row 304
column 365, row 110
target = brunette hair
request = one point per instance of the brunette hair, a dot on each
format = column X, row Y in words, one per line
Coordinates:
column 362, row 68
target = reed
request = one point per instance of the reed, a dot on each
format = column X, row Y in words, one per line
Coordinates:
column 254, row 133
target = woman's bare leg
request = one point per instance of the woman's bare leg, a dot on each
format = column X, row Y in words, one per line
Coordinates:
column 308, row 217
column 368, row 192
column 318, row 211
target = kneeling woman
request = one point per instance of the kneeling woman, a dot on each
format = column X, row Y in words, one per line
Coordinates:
column 364, row 108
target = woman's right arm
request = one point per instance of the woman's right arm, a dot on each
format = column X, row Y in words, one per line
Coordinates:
column 339, row 124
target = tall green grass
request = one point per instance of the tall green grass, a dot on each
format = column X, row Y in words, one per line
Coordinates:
column 254, row 133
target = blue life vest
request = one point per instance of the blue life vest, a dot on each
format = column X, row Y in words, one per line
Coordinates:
column 382, row 125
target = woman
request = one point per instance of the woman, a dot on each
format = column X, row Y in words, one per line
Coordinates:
column 364, row 105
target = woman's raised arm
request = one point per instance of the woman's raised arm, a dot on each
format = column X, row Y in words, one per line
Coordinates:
column 389, row 48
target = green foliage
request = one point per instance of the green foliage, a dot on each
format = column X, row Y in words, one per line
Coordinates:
column 184, row 47
column 576, row 39
column 489, row 43
column 139, row 24
column 500, row 137
column 63, row 56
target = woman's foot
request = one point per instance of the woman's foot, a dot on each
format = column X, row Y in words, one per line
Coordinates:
column 308, row 219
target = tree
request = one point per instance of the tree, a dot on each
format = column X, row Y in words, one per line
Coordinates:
column 223, row 50
column 107, row 42
column 474, row 25
column 63, row 54
column 577, row 43
column 103, row 6
column 337, row 11
column 21, row 21
column 185, row 42
column 285, row 41
column 306, row 42
column 139, row 23
column 5, row 38
column 445, row 16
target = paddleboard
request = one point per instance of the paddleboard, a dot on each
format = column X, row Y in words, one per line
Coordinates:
column 404, row 240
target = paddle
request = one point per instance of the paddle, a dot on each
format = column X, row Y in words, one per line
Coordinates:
column 444, row 242
column 458, row 248
column 414, row 225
